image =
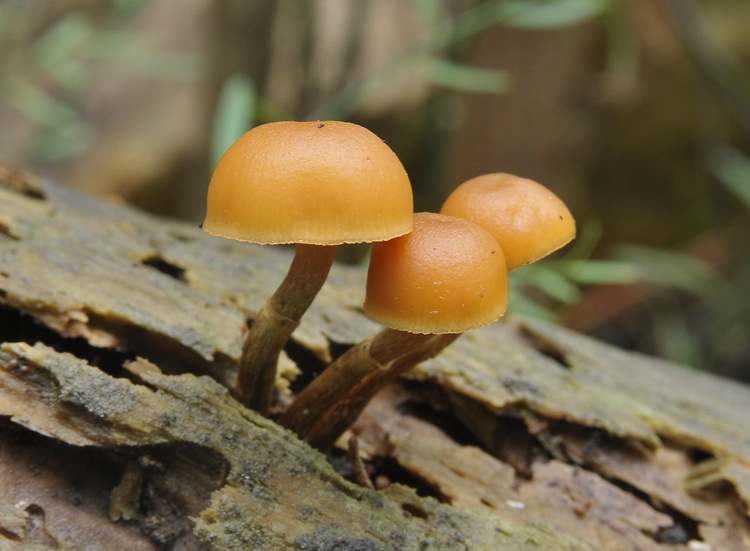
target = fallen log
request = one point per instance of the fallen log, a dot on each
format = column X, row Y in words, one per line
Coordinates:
column 120, row 335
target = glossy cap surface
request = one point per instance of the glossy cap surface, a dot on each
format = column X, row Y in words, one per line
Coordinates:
column 322, row 183
column 447, row 276
column 527, row 219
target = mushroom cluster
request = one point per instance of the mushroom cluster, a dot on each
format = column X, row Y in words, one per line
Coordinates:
column 431, row 276
column 445, row 277
column 312, row 184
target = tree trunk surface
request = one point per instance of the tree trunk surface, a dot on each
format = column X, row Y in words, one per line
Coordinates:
column 120, row 336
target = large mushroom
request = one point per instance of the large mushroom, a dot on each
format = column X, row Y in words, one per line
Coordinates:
column 314, row 184
column 446, row 277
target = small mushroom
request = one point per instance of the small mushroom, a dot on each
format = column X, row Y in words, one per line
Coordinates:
column 314, row 184
column 446, row 277
column 527, row 219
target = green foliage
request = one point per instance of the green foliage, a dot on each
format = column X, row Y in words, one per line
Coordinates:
column 559, row 282
column 668, row 268
column 462, row 78
column 547, row 14
column 239, row 106
column 66, row 58
column 61, row 67
column 235, row 114
column 732, row 168
column 432, row 49
column 538, row 290
column 692, row 311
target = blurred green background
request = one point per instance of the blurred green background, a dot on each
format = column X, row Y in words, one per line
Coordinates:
column 635, row 112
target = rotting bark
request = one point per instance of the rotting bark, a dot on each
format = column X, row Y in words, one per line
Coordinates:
column 276, row 492
column 525, row 435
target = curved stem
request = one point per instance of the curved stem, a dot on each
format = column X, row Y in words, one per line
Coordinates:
column 276, row 321
column 373, row 356
column 347, row 409
column 375, row 353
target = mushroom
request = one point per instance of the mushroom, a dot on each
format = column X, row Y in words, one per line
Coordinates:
column 527, row 219
column 446, row 277
column 314, row 184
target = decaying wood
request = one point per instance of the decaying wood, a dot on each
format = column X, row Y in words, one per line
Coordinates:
column 121, row 334
column 275, row 492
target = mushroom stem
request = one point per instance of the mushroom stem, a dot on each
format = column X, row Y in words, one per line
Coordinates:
column 276, row 321
column 381, row 357
column 348, row 408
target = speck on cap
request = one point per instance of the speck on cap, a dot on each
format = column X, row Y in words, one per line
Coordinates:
column 447, row 276
column 323, row 183
column 527, row 219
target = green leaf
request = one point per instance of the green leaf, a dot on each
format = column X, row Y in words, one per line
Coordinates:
column 57, row 46
column 463, row 78
column 546, row 14
column 601, row 272
column 670, row 268
column 127, row 8
column 63, row 132
column 63, row 141
column 432, row 12
column 732, row 168
column 523, row 306
column 234, row 114
column 36, row 103
column 588, row 237
column 551, row 282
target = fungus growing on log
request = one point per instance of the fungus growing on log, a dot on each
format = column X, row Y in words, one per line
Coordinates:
column 446, row 277
column 526, row 222
column 314, row 184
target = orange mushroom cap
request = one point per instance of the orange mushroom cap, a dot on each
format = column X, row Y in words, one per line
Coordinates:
column 527, row 219
column 323, row 183
column 447, row 276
